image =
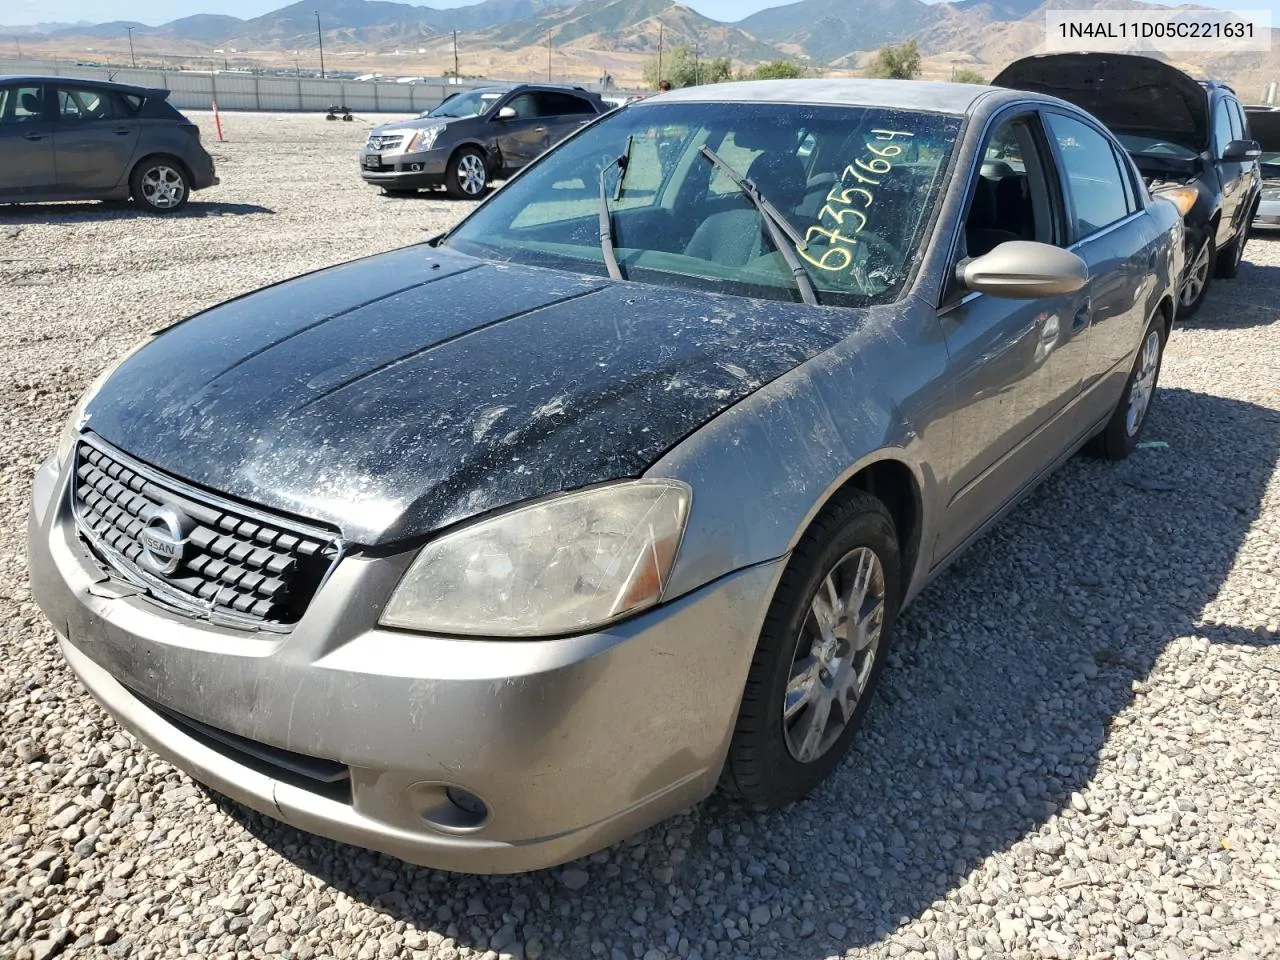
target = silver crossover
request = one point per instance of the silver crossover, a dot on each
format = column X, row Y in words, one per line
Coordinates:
column 492, row 550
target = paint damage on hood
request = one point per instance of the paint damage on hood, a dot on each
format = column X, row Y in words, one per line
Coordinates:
column 394, row 395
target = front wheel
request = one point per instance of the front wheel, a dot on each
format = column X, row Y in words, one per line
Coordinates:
column 820, row 653
column 467, row 177
column 159, row 184
column 1122, row 432
column 1195, row 283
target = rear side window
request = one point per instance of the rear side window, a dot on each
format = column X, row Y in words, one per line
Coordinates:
column 21, row 104
column 83, row 104
column 551, row 104
column 1094, row 178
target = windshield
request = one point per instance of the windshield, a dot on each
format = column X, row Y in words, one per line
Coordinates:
column 857, row 183
column 473, row 103
column 1148, row 146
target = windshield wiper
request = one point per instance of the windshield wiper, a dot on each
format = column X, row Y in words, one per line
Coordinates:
column 606, row 221
column 779, row 227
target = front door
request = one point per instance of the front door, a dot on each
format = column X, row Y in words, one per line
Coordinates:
column 523, row 137
column 26, row 142
column 94, row 139
column 1014, row 364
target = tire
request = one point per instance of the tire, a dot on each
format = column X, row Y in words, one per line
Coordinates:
column 771, row 762
column 1123, row 431
column 1229, row 258
column 160, row 184
column 1192, row 292
column 467, row 177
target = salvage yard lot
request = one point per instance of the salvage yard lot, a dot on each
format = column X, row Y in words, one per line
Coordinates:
column 1076, row 752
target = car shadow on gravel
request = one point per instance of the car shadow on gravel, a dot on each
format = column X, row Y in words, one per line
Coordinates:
column 1008, row 674
column 89, row 212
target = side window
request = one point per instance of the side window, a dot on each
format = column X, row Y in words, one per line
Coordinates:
column 1221, row 128
column 1240, row 122
column 21, row 104
column 1011, row 199
column 1094, row 179
column 82, row 104
column 524, row 106
column 552, row 104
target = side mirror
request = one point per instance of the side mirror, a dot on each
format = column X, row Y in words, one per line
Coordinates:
column 1242, row 150
column 1024, row 270
column 507, row 113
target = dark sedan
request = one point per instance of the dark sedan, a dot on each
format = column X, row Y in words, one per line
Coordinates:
column 68, row 139
column 492, row 550
column 474, row 138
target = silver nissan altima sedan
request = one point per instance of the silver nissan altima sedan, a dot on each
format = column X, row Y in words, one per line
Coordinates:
column 492, row 550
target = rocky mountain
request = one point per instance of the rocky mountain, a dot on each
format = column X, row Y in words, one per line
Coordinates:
column 827, row 30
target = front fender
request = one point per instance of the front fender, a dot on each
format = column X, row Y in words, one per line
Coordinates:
column 762, row 470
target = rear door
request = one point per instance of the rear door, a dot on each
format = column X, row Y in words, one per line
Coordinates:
column 94, row 140
column 564, row 113
column 26, row 142
column 1230, row 173
column 1109, row 232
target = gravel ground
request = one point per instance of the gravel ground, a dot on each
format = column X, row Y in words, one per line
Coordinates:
column 1076, row 753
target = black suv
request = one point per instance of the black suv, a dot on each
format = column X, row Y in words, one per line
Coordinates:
column 475, row 137
column 1181, row 133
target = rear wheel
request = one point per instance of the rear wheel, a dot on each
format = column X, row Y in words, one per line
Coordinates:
column 1195, row 283
column 467, row 177
column 820, row 653
column 1124, row 429
column 160, row 185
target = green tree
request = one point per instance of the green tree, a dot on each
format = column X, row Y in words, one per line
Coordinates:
column 896, row 61
column 685, row 69
column 967, row 75
column 778, row 70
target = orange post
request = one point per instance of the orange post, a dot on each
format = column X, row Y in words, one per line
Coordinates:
column 217, row 121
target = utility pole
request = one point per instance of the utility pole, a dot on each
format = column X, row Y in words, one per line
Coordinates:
column 659, row 54
column 19, row 41
column 695, row 63
column 455, row 55
column 548, row 56
column 132, row 58
column 320, row 37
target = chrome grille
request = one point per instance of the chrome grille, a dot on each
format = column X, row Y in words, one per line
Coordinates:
column 234, row 564
column 386, row 142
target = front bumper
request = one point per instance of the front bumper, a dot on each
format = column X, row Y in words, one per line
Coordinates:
column 404, row 170
column 573, row 744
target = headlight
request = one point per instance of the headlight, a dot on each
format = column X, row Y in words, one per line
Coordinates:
column 561, row 565
column 1184, row 198
column 424, row 139
column 75, row 422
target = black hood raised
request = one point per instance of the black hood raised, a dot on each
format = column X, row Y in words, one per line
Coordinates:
column 1127, row 92
column 394, row 395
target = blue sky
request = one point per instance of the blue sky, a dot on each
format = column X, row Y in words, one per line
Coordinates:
column 159, row 11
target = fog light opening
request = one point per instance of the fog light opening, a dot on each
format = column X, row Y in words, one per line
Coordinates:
column 449, row 808
column 415, row 167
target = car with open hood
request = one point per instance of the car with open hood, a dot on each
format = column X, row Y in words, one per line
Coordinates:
column 475, row 137
column 492, row 550
column 1264, row 127
column 1189, row 138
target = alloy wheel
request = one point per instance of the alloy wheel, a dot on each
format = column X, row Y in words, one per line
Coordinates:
column 835, row 654
column 163, row 187
column 472, row 176
column 1144, row 383
column 1197, row 277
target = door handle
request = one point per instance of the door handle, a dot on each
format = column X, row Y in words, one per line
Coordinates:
column 123, row 131
column 1081, row 319
column 34, row 136
column 539, row 129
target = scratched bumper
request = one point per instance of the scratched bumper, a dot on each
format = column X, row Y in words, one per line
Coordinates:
column 572, row 744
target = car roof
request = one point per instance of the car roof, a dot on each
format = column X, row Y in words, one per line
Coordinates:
column 87, row 82
column 954, row 98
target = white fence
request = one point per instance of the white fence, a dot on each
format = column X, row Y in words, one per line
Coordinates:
column 197, row 89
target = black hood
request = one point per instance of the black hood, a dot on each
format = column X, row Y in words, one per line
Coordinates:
column 1128, row 93
column 397, row 394
column 1264, row 126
